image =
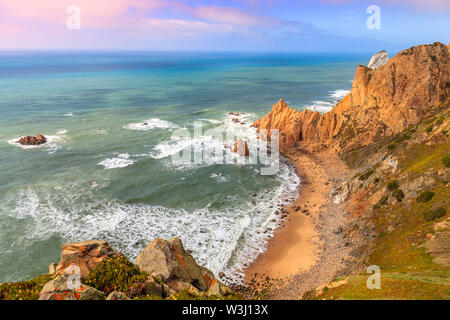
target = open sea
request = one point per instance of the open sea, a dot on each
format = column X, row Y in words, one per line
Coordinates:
column 107, row 171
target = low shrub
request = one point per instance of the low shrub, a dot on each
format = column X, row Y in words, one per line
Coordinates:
column 429, row 128
column 398, row 194
column 380, row 202
column 366, row 175
column 393, row 185
column 446, row 161
column 391, row 146
column 434, row 214
column 425, row 196
column 24, row 290
column 115, row 274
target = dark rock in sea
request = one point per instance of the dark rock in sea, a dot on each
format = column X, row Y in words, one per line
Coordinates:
column 32, row 141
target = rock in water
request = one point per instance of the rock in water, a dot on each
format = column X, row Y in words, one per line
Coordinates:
column 31, row 141
column 241, row 148
column 378, row 59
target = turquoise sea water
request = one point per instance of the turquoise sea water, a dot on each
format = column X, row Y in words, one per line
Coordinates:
column 106, row 175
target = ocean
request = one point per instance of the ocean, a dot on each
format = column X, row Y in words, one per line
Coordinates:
column 107, row 171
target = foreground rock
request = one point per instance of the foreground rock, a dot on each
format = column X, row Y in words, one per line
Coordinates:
column 166, row 269
column 379, row 59
column 382, row 103
column 32, row 141
column 59, row 289
column 86, row 255
column 169, row 261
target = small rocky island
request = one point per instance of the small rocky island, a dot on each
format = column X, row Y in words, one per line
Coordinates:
column 33, row 140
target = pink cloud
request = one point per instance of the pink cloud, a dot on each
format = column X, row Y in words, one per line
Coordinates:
column 428, row 5
column 234, row 17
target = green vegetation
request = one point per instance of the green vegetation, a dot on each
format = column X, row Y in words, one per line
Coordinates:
column 407, row 285
column 366, row 175
column 381, row 202
column 425, row 196
column 398, row 194
column 115, row 274
column 429, row 128
column 24, row 290
column 446, row 161
column 393, row 185
column 434, row 214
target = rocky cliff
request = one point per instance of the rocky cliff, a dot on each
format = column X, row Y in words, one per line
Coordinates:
column 382, row 102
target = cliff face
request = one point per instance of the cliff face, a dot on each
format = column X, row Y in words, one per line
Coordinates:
column 382, row 102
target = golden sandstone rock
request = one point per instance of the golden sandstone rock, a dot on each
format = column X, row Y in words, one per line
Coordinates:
column 382, row 102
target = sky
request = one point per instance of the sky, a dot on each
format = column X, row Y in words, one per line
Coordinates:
column 218, row 25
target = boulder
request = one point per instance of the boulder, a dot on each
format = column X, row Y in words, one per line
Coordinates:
column 115, row 295
column 241, row 148
column 86, row 255
column 170, row 260
column 148, row 288
column 378, row 59
column 59, row 289
column 31, row 140
column 218, row 289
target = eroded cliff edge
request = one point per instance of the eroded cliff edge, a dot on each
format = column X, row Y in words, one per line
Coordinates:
column 392, row 131
column 382, row 103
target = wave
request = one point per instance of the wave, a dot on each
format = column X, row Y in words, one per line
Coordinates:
column 339, row 94
column 213, row 147
column 224, row 239
column 70, row 114
column 151, row 124
column 325, row 106
column 121, row 161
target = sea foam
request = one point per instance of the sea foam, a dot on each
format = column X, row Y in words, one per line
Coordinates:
column 151, row 124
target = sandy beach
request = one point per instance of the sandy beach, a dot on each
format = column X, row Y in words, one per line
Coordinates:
column 297, row 249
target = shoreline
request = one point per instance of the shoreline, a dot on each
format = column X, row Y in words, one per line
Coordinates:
column 297, row 248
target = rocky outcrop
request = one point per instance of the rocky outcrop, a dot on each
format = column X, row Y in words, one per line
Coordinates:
column 378, row 59
column 115, row 295
column 59, row 289
column 31, row 140
column 241, row 148
column 382, row 102
column 168, row 260
column 85, row 255
column 166, row 269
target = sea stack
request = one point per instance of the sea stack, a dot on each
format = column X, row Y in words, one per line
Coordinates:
column 31, row 140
